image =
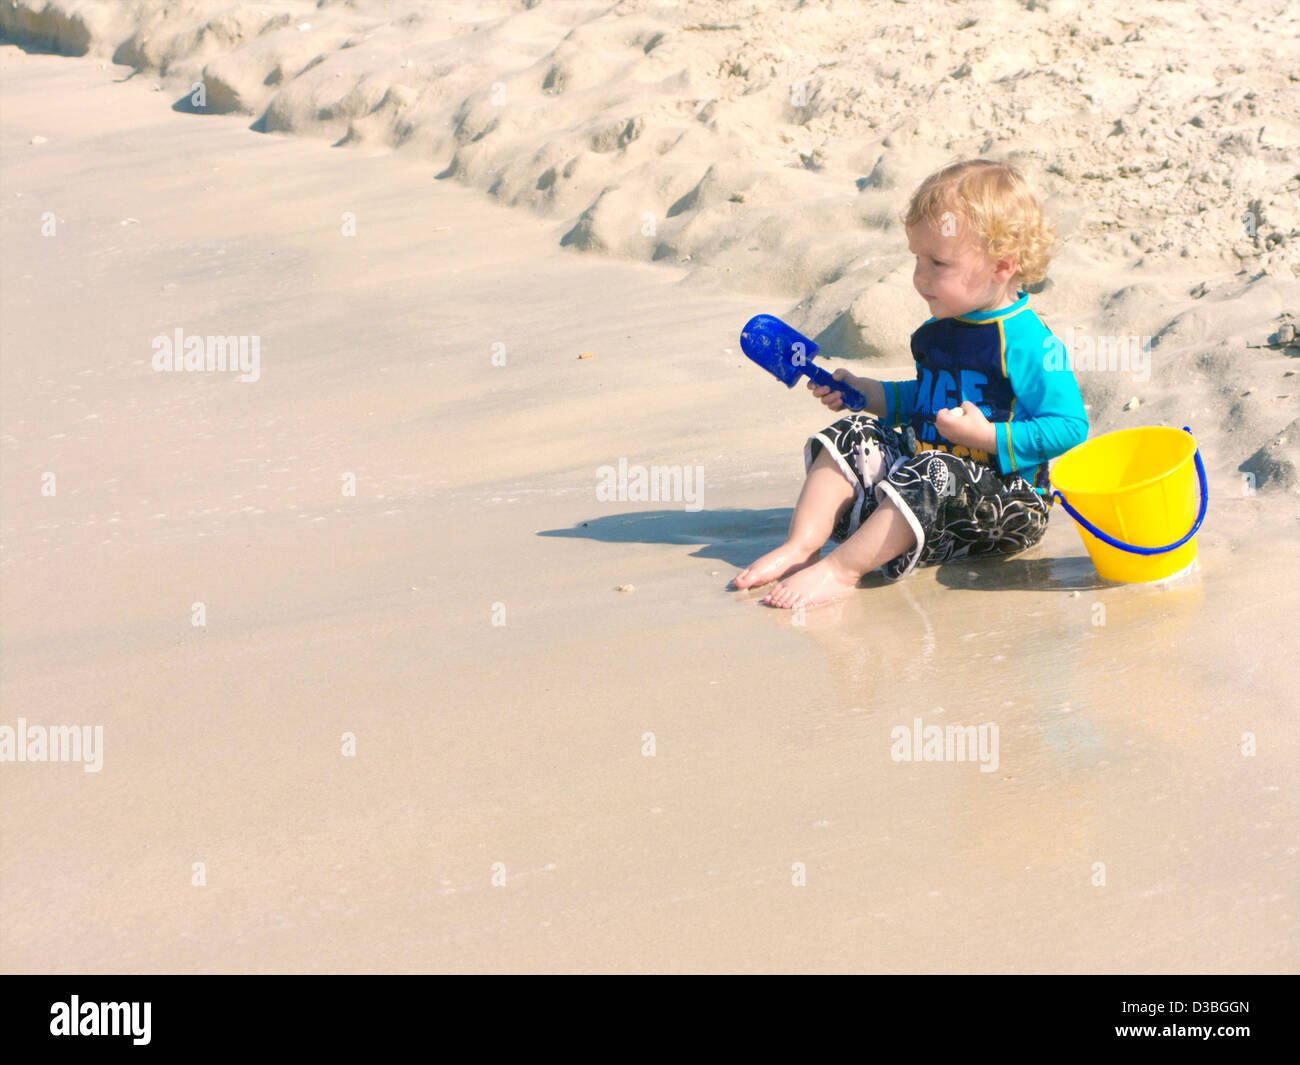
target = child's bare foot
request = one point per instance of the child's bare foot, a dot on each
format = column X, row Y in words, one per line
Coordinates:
column 787, row 559
column 817, row 583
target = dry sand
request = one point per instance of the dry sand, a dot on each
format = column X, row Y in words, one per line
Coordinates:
column 521, row 743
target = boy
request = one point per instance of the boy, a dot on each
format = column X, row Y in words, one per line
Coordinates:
column 954, row 463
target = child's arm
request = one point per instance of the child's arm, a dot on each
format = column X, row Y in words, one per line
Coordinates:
column 890, row 401
column 1048, row 416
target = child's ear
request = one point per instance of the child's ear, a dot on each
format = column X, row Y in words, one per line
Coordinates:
column 1005, row 268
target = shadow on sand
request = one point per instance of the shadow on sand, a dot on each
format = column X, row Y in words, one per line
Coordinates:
column 735, row 537
column 738, row 536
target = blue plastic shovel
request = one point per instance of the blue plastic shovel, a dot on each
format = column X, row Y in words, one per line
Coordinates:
column 787, row 355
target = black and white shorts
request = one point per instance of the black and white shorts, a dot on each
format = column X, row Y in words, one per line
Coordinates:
column 957, row 507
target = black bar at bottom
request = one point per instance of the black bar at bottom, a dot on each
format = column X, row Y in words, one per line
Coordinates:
column 377, row 1013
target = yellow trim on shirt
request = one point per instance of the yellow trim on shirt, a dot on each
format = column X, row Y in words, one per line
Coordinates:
column 985, row 321
column 960, row 450
column 1011, row 412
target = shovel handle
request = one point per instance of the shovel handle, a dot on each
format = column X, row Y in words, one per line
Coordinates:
column 851, row 397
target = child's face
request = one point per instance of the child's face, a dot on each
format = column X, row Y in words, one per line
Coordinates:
column 952, row 275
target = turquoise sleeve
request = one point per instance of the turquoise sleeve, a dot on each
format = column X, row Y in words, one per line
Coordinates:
column 900, row 399
column 1048, row 416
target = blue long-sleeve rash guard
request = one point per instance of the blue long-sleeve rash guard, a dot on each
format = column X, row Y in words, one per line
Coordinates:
column 997, row 360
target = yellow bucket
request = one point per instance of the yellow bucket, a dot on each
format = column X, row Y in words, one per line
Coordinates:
column 1133, row 495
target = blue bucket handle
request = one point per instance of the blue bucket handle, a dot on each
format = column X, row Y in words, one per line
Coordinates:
column 1131, row 548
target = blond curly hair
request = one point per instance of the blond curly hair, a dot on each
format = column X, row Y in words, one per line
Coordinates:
column 997, row 204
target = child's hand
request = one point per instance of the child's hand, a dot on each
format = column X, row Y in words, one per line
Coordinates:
column 835, row 400
column 966, row 425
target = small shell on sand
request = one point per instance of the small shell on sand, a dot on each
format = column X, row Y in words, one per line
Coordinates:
column 1133, row 404
column 626, row 588
column 585, row 355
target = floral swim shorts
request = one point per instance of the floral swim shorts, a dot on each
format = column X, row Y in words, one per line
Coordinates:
column 957, row 507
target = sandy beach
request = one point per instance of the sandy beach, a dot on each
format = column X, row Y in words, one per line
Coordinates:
column 419, row 728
